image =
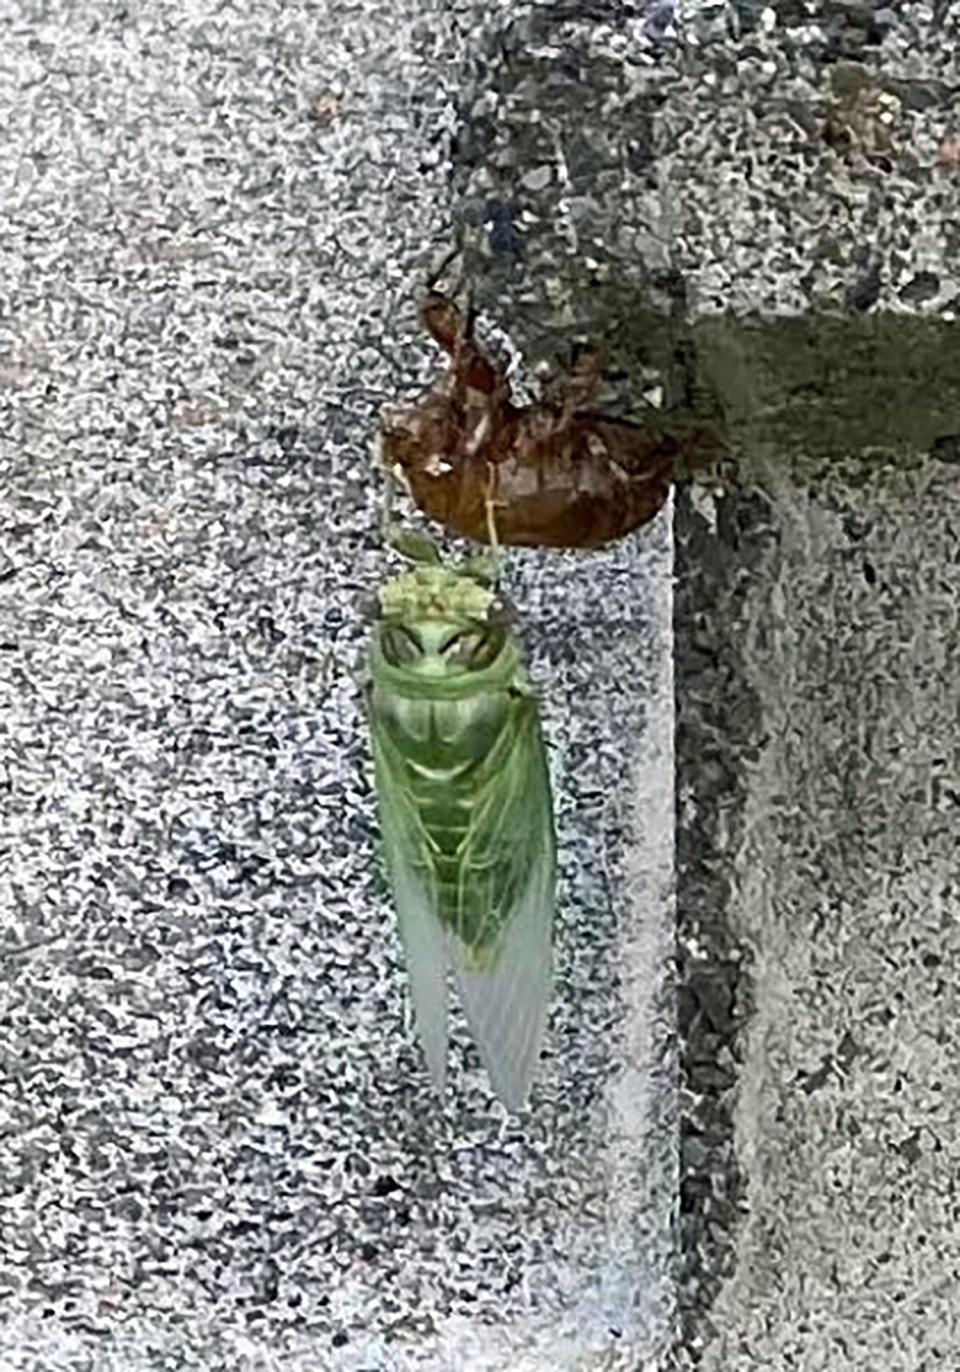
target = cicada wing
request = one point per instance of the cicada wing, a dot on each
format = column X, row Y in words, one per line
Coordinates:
column 505, row 986
column 407, row 852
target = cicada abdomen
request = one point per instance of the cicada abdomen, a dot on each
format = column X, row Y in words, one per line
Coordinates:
column 466, row 818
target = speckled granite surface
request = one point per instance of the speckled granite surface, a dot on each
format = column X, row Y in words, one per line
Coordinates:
column 218, row 1147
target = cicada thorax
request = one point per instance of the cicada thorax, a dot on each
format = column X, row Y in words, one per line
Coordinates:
column 448, row 704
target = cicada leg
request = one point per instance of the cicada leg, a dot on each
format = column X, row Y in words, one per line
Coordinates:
column 472, row 371
column 487, row 565
column 490, row 505
column 413, row 546
column 440, row 265
column 390, row 479
column 573, row 389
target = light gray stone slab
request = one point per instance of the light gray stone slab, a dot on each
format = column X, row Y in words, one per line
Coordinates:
column 219, row 1147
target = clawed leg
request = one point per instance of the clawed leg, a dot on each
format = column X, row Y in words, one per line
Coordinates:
column 452, row 329
column 415, row 547
column 390, row 480
column 573, row 389
column 489, row 504
column 446, row 325
column 443, row 320
column 447, row 255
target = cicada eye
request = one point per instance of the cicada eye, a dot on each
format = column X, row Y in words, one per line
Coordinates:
column 401, row 644
column 475, row 648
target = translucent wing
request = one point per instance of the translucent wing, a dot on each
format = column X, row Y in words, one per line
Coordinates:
column 467, row 825
column 407, row 848
column 504, row 971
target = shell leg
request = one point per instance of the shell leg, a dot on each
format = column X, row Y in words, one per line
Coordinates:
column 486, row 566
column 391, row 480
column 490, row 504
column 574, row 387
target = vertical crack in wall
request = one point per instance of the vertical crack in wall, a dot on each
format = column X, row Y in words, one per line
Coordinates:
column 719, row 729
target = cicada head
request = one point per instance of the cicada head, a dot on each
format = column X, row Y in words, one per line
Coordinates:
column 437, row 622
column 436, row 592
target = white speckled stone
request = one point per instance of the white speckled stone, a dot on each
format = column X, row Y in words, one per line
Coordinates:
column 218, row 1144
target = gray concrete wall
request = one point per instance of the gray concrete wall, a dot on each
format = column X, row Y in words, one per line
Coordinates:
column 218, row 1145
column 820, row 856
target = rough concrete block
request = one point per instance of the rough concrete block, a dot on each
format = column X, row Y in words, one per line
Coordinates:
column 219, row 1145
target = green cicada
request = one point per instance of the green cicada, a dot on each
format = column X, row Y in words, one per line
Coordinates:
column 466, row 817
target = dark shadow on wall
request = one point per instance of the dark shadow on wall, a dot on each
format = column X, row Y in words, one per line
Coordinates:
column 719, row 730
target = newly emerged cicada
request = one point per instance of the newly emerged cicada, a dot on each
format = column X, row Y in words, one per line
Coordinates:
column 546, row 475
column 466, row 817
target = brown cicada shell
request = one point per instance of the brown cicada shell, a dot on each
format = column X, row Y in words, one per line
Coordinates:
column 547, row 475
